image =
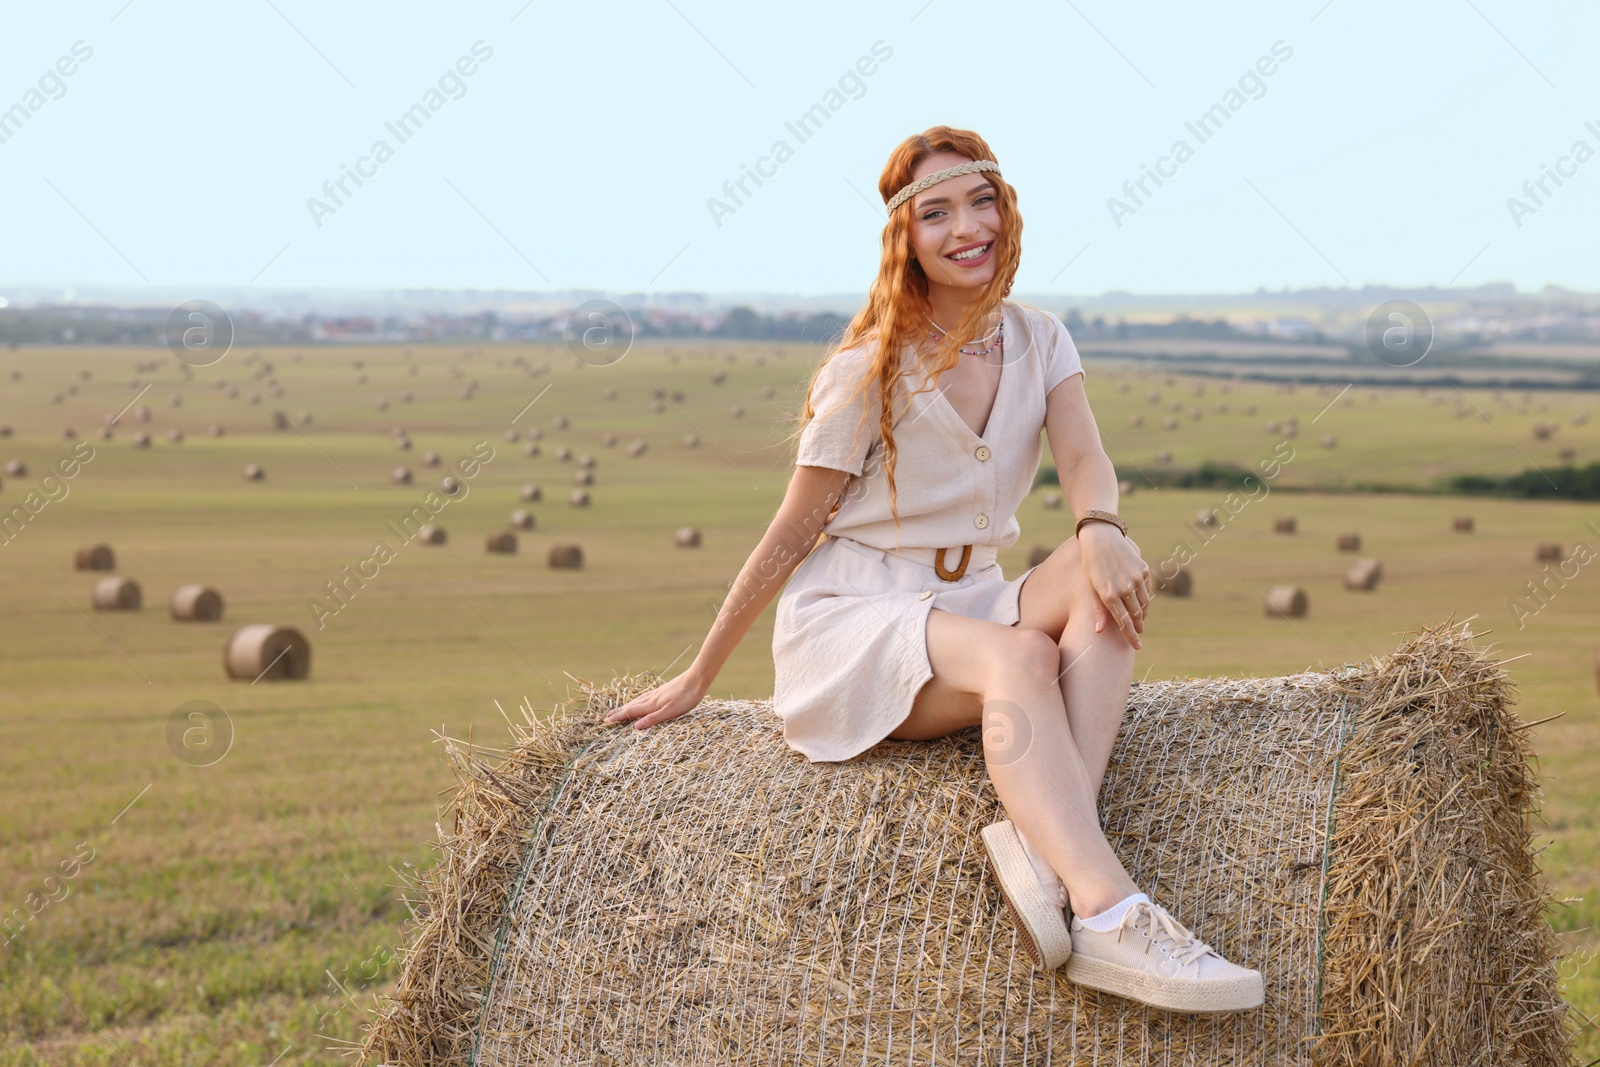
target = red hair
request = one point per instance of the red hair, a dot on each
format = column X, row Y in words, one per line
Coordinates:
column 897, row 308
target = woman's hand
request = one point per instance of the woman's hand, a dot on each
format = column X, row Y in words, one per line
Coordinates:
column 665, row 701
column 1120, row 578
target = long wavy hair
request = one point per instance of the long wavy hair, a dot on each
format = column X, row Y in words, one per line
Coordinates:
column 897, row 307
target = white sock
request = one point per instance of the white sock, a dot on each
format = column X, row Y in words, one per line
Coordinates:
column 1043, row 871
column 1109, row 919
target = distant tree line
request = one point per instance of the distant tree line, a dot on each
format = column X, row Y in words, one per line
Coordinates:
column 1551, row 483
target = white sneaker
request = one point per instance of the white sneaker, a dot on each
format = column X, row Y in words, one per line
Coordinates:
column 1041, row 924
column 1151, row 958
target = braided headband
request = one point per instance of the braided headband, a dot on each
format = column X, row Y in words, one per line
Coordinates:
column 938, row 176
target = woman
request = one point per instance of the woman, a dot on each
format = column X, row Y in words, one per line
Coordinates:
column 923, row 440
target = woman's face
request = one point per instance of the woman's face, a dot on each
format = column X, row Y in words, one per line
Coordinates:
column 958, row 217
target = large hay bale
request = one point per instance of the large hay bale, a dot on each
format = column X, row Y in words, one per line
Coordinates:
column 95, row 558
column 578, row 498
column 432, row 535
column 1180, row 584
column 687, row 537
column 1364, row 575
column 522, row 519
column 1050, row 500
column 1462, row 524
column 1038, row 554
column 1349, row 542
column 566, row 557
column 267, row 653
column 1547, row 550
column 700, row 893
column 253, row 472
column 532, row 493
column 196, row 603
column 1206, row 517
column 1283, row 524
column 1286, row 601
column 117, row 594
column 503, row 542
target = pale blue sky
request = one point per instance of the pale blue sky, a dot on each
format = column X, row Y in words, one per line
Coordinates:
column 582, row 153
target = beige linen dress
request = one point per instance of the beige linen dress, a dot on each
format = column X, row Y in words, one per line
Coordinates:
column 849, row 643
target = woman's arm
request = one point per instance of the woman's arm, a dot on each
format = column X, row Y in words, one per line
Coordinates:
column 806, row 507
column 1112, row 562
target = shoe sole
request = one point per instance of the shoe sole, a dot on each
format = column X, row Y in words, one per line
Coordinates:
column 1199, row 998
column 1047, row 944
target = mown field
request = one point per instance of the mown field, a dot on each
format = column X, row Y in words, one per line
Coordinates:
column 245, row 911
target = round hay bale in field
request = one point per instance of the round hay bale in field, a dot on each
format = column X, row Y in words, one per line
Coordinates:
column 95, row 558
column 583, row 476
column 718, row 377
column 1364, row 575
column 449, row 486
column 142, row 413
column 566, row 557
column 561, row 422
column 406, row 395
column 175, row 435
column 687, row 537
column 68, row 433
column 253, row 472
column 1462, row 524
column 532, row 493
column 1169, row 423
column 432, row 535
column 1206, row 517
column 1286, row 602
column 1543, row 430
column 117, row 594
column 104, row 433
column 609, row 393
column 141, row 439
column 503, row 542
column 430, row 459
column 609, row 440
column 196, row 603
column 737, row 411
column 216, row 430
column 586, row 460
column 578, row 498
column 767, row 392
column 1249, row 409
column 401, row 475
column 534, row 434
column 522, row 519
column 658, row 406
column 1180, row 584
column 1375, row 818
column 402, row 444
column 1136, row 420
column 636, row 447
column 564, row 454
column 280, row 421
column 1124, row 488
column 1038, row 554
column 1283, row 524
column 1329, row 441
column 16, row 468
column 530, row 449
column 1164, row 456
column 1567, row 455
column 511, row 435
column 267, row 653
column 691, row 440
column 1548, row 550
column 1349, row 542
column 380, row 404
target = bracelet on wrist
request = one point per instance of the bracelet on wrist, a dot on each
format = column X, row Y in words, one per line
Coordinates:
column 1093, row 515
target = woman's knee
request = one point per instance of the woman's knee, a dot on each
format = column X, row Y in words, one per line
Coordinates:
column 1030, row 658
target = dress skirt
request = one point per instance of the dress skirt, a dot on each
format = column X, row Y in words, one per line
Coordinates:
column 849, row 642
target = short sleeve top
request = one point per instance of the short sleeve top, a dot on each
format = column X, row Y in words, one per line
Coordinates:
column 953, row 486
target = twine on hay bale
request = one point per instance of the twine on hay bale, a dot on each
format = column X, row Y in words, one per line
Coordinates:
column 268, row 653
column 196, row 603
column 95, row 558
column 117, row 594
column 699, row 892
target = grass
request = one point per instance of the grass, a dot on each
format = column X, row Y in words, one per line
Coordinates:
column 244, row 912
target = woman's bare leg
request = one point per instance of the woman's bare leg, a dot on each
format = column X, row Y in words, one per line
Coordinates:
column 1007, row 679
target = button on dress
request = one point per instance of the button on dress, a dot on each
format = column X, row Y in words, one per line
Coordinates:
column 849, row 643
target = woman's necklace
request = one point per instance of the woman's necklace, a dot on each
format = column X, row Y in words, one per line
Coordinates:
column 998, row 333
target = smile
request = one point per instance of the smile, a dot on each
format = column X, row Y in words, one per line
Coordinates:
column 971, row 256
